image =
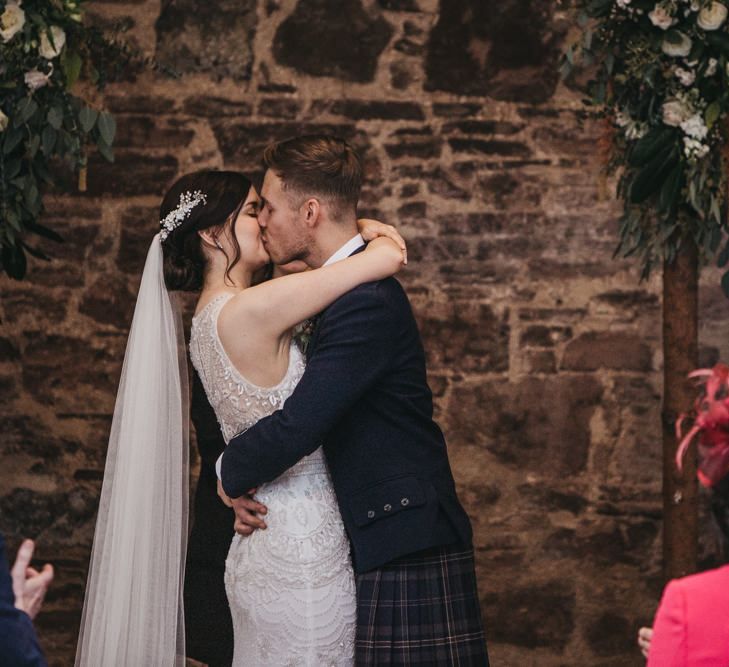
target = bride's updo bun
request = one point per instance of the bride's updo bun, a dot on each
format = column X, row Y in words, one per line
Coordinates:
column 224, row 194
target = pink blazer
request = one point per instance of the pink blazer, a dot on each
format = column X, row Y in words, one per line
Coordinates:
column 691, row 628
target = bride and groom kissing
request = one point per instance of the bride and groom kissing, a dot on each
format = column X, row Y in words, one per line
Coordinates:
column 351, row 546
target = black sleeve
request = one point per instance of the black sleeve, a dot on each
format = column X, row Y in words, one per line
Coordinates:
column 354, row 350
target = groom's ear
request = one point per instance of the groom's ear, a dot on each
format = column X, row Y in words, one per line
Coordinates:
column 311, row 212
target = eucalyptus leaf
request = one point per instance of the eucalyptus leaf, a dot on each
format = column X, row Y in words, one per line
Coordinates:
column 43, row 231
column 48, row 140
column 12, row 137
column 14, row 262
column 87, row 118
column 671, row 188
column 24, row 111
column 107, row 127
column 651, row 177
column 71, row 66
column 12, row 168
column 55, row 117
column 106, row 151
column 712, row 114
column 35, row 252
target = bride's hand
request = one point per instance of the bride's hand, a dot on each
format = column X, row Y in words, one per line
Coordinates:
column 371, row 229
column 386, row 257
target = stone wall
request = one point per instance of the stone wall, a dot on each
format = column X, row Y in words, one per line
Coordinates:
column 544, row 352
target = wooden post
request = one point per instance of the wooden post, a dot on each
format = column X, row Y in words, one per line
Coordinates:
column 680, row 354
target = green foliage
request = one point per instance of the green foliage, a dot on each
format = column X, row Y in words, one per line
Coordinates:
column 660, row 81
column 45, row 49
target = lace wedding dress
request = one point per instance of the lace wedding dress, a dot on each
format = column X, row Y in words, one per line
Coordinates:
column 290, row 587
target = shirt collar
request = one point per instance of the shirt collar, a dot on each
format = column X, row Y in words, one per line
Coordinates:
column 346, row 250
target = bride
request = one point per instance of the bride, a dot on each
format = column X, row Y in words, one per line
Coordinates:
column 290, row 586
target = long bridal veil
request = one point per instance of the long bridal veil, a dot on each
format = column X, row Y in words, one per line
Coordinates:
column 133, row 613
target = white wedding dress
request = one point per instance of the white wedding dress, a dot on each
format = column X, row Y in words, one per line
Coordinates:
column 290, row 587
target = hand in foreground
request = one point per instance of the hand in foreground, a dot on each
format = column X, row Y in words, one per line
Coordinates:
column 644, row 640
column 29, row 585
column 246, row 514
column 372, row 229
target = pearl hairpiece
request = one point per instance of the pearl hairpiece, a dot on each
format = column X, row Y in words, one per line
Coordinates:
column 188, row 201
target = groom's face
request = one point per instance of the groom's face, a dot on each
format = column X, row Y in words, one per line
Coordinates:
column 284, row 234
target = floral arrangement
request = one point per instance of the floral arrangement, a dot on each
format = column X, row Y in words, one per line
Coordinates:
column 660, row 81
column 45, row 48
column 711, row 423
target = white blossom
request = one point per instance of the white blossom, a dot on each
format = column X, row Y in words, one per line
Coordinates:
column 694, row 127
column 712, row 16
column 4, row 120
column 711, row 67
column 36, row 79
column 693, row 149
column 685, row 76
column 661, row 18
column 623, row 4
column 678, row 50
column 12, row 21
column 50, row 51
column 675, row 112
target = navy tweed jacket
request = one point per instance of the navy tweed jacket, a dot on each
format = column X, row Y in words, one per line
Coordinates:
column 365, row 397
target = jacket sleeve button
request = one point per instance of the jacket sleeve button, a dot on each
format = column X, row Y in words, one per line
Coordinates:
column 405, row 502
column 371, row 514
column 387, row 507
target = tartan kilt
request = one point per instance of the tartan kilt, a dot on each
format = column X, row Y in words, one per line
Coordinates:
column 422, row 610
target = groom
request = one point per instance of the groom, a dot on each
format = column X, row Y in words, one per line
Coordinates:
column 364, row 396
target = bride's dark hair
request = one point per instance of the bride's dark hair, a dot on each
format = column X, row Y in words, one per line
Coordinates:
column 184, row 260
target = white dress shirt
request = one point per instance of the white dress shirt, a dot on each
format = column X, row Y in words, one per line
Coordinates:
column 345, row 251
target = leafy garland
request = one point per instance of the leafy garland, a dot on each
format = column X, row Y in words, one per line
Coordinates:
column 44, row 50
column 661, row 84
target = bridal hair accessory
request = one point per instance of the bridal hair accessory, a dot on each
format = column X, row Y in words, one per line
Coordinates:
column 711, row 422
column 188, row 201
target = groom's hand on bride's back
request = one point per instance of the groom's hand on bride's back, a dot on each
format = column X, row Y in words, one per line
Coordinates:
column 247, row 511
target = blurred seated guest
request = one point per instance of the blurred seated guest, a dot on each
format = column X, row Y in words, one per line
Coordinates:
column 21, row 594
column 691, row 627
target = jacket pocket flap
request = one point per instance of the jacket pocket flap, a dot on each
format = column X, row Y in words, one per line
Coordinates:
column 385, row 499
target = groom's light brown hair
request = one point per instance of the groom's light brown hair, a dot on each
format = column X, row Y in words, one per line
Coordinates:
column 318, row 165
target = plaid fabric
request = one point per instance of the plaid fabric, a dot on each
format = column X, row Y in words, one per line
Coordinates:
column 421, row 610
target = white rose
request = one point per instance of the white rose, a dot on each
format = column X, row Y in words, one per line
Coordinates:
column 661, row 18
column 4, row 120
column 694, row 127
column 711, row 67
column 12, row 21
column 50, row 51
column 712, row 16
column 36, row 79
column 685, row 76
column 623, row 3
column 679, row 49
column 675, row 112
